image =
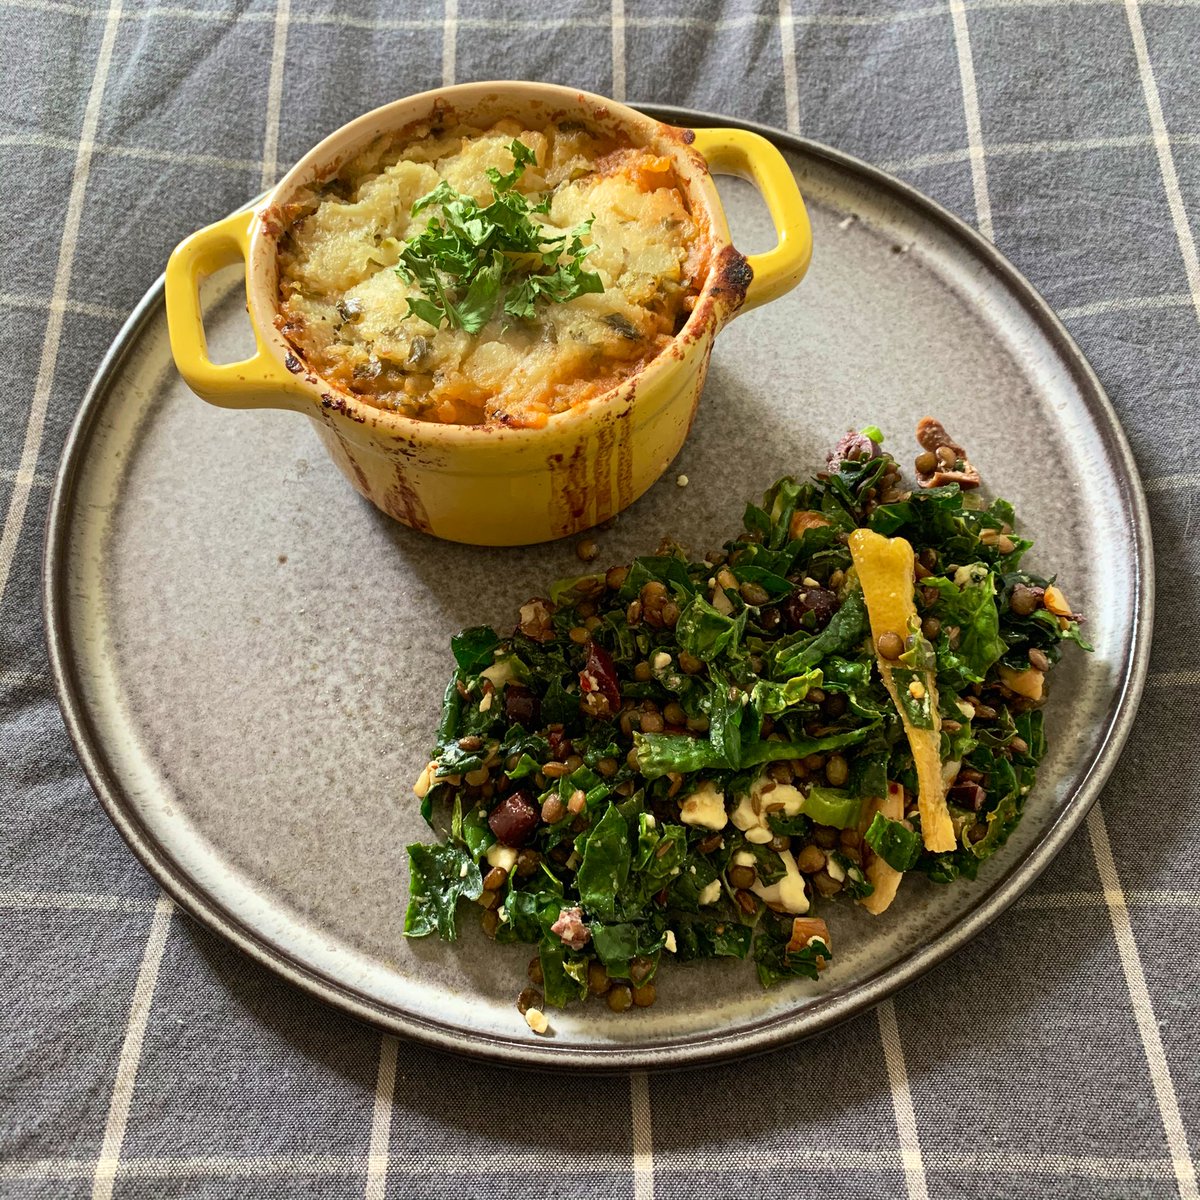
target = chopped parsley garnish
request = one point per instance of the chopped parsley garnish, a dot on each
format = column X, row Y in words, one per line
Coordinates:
column 468, row 261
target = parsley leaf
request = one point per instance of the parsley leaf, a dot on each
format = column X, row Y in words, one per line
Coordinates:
column 468, row 257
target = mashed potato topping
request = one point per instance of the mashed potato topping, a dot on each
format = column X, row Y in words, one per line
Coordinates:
column 345, row 308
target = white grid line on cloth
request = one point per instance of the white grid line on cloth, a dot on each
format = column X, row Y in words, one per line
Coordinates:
column 381, row 1119
column 970, row 94
column 1166, row 159
column 915, row 1181
column 643, row 1136
column 717, row 1161
column 618, row 50
column 39, row 406
column 1143, row 898
column 959, row 154
column 39, row 480
column 787, row 45
column 449, row 42
column 1127, row 304
column 79, row 308
column 1078, row 1165
column 49, row 141
column 1183, row 678
column 131, row 1051
column 1143, row 1008
column 270, row 152
column 833, row 20
column 915, row 162
column 1172, row 483
column 71, row 901
column 1189, row 677
column 986, row 4
column 343, row 20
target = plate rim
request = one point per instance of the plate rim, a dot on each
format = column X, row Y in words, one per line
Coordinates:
column 772, row 1032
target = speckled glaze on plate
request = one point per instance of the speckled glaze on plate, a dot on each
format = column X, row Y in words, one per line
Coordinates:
column 250, row 657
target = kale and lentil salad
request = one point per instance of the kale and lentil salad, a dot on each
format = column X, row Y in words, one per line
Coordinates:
column 689, row 757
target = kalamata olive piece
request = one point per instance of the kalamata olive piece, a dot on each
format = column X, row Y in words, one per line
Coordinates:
column 821, row 602
column 514, row 819
column 521, row 706
column 600, row 675
column 852, row 447
column 969, row 796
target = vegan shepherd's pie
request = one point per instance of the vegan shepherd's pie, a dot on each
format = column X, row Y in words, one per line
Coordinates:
column 489, row 276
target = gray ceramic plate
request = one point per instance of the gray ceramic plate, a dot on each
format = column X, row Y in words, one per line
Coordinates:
column 250, row 657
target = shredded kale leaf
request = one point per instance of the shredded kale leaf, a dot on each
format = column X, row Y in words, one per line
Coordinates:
column 774, row 963
column 438, row 877
column 897, row 845
column 604, row 871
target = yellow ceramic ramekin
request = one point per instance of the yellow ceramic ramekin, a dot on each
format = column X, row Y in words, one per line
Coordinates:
column 481, row 484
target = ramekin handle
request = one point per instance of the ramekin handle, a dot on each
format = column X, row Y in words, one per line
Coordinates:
column 260, row 381
column 750, row 156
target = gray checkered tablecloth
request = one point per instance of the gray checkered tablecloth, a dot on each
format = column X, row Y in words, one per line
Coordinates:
column 1056, row 1055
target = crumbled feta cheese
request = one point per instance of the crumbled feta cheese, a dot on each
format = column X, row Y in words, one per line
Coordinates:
column 749, row 815
column 502, row 856
column 650, row 822
column 835, row 868
column 537, row 1020
column 669, row 943
column 792, row 798
column 789, row 892
column 682, row 481
column 661, row 661
column 464, row 870
column 705, row 807
column 792, row 895
column 743, row 858
column 971, row 573
column 486, row 703
column 710, row 894
column 745, row 815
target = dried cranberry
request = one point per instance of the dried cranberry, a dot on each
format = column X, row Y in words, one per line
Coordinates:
column 819, row 601
column 514, row 819
column 599, row 675
column 968, row 795
column 521, row 706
